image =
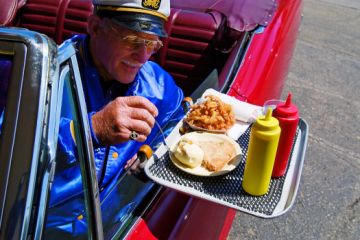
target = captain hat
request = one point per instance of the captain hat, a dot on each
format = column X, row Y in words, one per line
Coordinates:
column 147, row 16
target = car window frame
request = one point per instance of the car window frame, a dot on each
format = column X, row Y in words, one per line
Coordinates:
column 68, row 64
column 23, row 132
column 26, row 174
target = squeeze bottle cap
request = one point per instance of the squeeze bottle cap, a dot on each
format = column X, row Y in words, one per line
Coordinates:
column 267, row 122
column 286, row 109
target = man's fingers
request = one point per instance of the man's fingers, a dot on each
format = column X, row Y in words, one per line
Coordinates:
column 142, row 103
column 141, row 127
column 115, row 122
column 143, row 115
column 130, row 161
column 139, row 137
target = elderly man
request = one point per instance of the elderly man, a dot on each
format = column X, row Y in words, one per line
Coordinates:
column 125, row 94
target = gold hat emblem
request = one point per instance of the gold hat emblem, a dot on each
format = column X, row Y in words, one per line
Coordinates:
column 145, row 25
column 152, row 4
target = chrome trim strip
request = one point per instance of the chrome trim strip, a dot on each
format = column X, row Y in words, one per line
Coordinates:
column 239, row 59
column 259, row 29
column 42, row 47
column 53, row 123
column 95, row 223
column 45, row 191
column 65, row 51
column 242, row 51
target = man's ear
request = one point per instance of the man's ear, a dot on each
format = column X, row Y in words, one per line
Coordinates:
column 93, row 27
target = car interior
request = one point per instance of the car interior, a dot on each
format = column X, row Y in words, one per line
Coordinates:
column 203, row 50
column 200, row 51
column 198, row 42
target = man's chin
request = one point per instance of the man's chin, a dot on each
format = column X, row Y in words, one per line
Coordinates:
column 127, row 80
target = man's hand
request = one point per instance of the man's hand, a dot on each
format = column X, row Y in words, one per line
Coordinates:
column 134, row 164
column 115, row 122
column 135, row 168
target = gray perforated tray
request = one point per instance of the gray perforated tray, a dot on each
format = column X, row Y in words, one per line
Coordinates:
column 226, row 189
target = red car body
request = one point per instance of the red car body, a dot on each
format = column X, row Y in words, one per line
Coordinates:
column 259, row 76
column 271, row 51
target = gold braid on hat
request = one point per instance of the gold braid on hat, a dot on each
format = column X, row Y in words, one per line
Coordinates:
column 131, row 9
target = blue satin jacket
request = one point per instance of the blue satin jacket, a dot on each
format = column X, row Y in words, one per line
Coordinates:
column 151, row 82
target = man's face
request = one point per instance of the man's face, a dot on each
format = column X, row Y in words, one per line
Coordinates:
column 120, row 51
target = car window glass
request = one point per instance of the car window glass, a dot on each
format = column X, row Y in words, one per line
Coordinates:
column 118, row 205
column 66, row 217
column 124, row 200
column 5, row 72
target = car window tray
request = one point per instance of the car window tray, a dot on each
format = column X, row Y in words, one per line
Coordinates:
column 226, row 189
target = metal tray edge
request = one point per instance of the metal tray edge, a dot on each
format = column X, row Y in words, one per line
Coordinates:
column 304, row 127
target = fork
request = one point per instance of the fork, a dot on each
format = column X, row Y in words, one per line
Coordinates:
column 163, row 136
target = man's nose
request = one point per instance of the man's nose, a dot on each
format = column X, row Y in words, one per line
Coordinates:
column 142, row 54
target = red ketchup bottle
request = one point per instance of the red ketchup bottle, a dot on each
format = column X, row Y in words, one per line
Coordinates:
column 288, row 116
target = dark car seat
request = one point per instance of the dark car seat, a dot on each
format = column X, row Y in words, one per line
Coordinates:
column 58, row 19
column 189, row 53
column 9, row 10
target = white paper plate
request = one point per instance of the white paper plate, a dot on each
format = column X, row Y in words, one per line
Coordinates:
column 201, row 171
column 243, row 111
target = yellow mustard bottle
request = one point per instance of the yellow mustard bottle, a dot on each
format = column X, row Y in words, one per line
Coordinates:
column 264, row 139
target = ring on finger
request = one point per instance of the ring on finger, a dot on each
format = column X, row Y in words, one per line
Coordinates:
column 133, row 135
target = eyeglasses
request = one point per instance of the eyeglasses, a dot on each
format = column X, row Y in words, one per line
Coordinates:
column 134, row 42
